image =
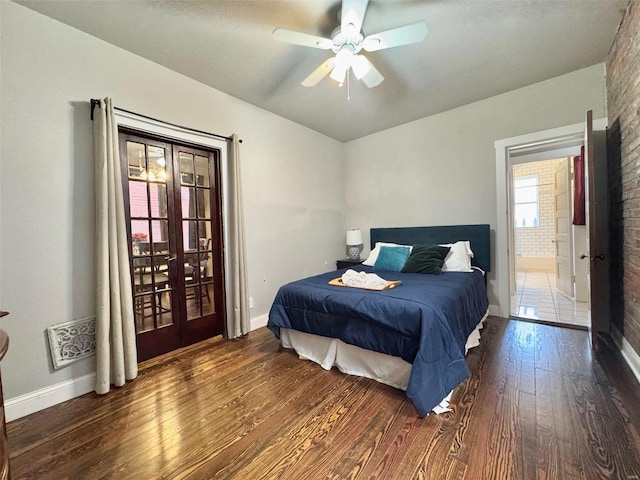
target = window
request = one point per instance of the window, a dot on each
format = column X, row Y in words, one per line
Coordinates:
column 526, row 212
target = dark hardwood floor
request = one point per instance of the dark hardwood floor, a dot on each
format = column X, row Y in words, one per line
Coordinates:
column 537, row 405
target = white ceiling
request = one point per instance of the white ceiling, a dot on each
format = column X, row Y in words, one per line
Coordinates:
column 474, row 49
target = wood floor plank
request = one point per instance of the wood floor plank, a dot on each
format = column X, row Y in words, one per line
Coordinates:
column 525, row 338
column 541, row 348
column 589, row 408
column 546, row 453
column 537, row 404
column 568, row 446
column 483, row 365
column 528, row 441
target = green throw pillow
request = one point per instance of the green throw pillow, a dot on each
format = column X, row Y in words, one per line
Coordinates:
column 426, row 259
column 391, row 258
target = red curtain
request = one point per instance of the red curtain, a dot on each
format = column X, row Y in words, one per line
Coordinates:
column 578, row 195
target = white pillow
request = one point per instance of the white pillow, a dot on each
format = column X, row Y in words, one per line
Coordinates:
column 373, row 256
column 459, row 257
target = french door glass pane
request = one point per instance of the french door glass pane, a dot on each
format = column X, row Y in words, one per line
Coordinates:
column 189, row 236
column 140, row 236
column 136, row 160
column 158, row 200
column 204, row 231
column 202, row 171
column 138, row 199
column 144, row 313
column 204, row 203
column 186, row 168
column 188, row 196
column 165, row 315
column 156, row 171
column 160, row 235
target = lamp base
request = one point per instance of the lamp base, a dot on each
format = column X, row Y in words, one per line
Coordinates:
column 354, row 253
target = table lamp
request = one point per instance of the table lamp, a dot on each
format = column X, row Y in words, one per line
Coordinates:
column 354, row 243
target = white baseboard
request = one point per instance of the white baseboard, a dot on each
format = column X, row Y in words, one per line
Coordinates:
column 628, row 353
column 632, row 358
column 32, row 402
column 259, row 321
column 494, row 310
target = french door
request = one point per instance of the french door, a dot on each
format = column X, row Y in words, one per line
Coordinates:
column 172, row 200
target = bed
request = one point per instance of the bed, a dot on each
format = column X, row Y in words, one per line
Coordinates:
column 413, row 337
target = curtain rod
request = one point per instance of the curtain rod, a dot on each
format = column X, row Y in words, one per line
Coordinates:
column 95, row 102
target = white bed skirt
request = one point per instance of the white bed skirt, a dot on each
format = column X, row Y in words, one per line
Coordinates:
column 387, row 369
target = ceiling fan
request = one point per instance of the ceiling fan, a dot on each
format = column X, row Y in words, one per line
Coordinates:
column 347, row 41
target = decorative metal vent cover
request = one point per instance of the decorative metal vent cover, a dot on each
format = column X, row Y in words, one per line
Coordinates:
column 72, row 341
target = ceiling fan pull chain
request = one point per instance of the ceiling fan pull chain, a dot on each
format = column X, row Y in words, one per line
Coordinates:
column 348, row 86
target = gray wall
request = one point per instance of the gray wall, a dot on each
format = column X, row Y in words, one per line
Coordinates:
column 441, row 170
column 293, row 181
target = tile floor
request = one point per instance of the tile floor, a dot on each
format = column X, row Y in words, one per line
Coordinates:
column 536, row 297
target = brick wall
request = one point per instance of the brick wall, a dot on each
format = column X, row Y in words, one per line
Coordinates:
column 537, row 241
column 623, row 168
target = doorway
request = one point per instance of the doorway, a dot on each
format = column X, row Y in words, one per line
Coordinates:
column 172, row 200
column 550, row 285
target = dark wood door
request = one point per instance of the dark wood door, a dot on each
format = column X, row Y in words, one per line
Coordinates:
column 597, row 215
column 173, row 203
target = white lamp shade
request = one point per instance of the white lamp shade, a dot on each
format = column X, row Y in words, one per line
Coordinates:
column 354, row 237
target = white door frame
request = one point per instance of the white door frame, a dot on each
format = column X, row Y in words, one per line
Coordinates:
column 507, row 151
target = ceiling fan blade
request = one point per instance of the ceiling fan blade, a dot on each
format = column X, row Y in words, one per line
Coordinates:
column 396, row 37
column 352, row 16
column 373, row 77
column 319, row 73
column 304, row 39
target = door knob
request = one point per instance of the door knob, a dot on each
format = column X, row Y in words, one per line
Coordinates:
column 597, row 257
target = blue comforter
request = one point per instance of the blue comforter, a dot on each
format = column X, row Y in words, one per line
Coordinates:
column 425, row 321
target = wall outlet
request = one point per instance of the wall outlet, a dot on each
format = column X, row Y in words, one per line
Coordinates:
column 250, row 302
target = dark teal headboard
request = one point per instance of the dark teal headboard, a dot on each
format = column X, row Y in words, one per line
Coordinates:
column 478, row 235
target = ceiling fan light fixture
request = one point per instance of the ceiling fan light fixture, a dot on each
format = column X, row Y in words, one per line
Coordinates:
column 343, row 61
column 339, row 73
column 360, row 66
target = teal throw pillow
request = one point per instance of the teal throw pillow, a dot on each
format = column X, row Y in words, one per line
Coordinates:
column 391, row 258
column 426, row 259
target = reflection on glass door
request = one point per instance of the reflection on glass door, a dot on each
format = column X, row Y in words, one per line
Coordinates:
column 200, row 219
column 175, row 233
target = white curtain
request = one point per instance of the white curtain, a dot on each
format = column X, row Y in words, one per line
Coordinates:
column 116, row 356
column 238, row 311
